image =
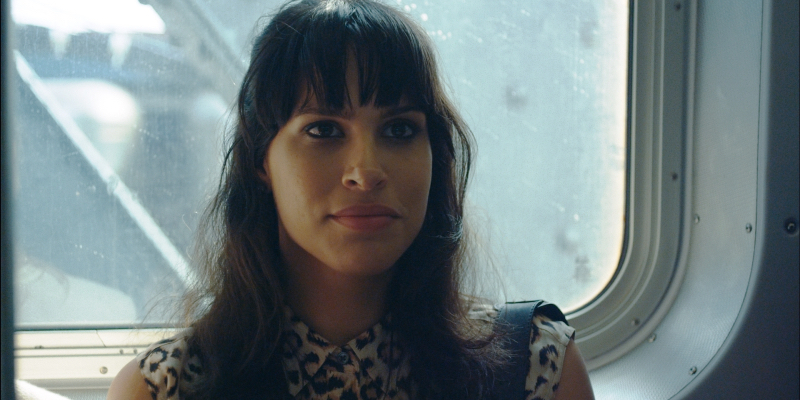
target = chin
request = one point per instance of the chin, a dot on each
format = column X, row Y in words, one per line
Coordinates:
column 365, row 267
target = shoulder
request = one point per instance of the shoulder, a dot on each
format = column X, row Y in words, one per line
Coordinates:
column 574, row 383
column 162, row 371
column 129, row 384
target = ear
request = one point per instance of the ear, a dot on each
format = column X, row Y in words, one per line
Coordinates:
column 263, row 174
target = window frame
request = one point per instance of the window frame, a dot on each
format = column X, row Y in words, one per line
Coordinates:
column 652, row 262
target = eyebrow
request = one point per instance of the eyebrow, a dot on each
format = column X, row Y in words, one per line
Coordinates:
column 344, row 113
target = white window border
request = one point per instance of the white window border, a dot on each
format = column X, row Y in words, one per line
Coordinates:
column 79, row 359
column 653, row 259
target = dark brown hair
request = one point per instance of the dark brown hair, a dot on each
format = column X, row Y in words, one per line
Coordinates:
column 305, row 48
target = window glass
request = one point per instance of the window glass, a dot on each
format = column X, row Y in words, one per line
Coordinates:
column 543, row 85
column 121, row 108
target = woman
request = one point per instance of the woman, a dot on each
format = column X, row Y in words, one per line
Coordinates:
column 336, row 250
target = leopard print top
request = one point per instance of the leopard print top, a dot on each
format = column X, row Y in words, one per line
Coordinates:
column 372, row 366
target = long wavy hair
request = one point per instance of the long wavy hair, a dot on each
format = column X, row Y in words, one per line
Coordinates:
column 238, row 311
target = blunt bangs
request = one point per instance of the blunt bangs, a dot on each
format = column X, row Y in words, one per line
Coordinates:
column 315, row 39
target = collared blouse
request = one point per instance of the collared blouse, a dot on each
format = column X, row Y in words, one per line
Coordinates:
column 372, row 366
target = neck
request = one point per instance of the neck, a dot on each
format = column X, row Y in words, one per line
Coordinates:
column 337, row 306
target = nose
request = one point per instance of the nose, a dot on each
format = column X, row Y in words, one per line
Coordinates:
column 364, row 171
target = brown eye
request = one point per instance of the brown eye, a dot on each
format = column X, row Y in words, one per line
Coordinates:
column 324, row 130
column 400, row 130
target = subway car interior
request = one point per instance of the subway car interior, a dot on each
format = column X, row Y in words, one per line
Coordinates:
column 637, row 165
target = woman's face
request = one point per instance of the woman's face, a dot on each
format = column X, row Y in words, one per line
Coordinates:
column 351, row 188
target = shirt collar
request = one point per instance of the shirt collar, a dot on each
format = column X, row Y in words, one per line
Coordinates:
column 305, row 351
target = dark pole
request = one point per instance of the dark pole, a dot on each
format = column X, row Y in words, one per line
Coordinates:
column 6, row 177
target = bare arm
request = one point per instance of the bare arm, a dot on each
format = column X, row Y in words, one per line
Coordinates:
column 574, row 383
column 129, row 384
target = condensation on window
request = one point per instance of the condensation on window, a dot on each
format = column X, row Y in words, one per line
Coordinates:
column 122, row 108
column 543, row 85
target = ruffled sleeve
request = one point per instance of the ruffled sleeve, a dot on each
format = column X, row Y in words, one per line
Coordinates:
column 548, row 343
column 169, row 368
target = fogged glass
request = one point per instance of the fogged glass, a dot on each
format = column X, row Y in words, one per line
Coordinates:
column 543, row 85
column 122, row 108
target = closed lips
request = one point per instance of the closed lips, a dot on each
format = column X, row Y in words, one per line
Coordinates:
column 366, row 218
column 370, row 210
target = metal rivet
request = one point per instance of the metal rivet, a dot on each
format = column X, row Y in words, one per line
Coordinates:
column 748, row 228
column 652, row 338
column 135, row 351
column 692, row 370
column 677, row 6
column 121, row 351
column 696, row 219
column 674, row 176
column 790, row 225
column 635, row 322
column 103, row 370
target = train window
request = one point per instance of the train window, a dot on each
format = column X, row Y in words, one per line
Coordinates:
column 122, row 106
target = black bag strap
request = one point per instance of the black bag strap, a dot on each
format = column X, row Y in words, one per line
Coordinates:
column 515, row 318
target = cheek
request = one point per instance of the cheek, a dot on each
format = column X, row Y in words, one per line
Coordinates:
column 283, row 172
column 298, row 183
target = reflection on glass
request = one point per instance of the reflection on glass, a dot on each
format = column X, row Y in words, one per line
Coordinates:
column 542, row 85
column 106, row 222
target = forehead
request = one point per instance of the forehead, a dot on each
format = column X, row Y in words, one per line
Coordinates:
column 352, row 95
column 358, row 77
column 310, row 105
